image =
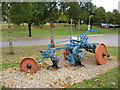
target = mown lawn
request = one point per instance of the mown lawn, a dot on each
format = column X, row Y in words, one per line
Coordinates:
column 59, row 30
column 106, row 80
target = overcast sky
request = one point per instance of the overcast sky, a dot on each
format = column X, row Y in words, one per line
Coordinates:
column 109, row 5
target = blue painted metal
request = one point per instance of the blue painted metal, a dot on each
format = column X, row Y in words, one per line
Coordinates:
column 70, row 58
column 94, row 30
column 76, row 54
column 56, row 43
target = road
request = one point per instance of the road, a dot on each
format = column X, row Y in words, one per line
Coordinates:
column 108, row 40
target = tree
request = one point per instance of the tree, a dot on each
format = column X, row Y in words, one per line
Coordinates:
column 109, row 17
column 41, row 13
column 22, row 13
column 116, row 17
column 52, row 12
column 115, row 11
column 4, row 11
column 29, row 12
column 17, row 14
column 87, row 9
column 99, row 16
column 74, row 12
column 63, row 17
column 6, row 16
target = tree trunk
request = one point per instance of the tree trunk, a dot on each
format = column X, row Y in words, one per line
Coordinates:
column 41, row 26
column 10, row 35
column 65, row 24
column 78, row 29
column 23, row 27
column 18, row 25
column 29, row 28
column 51, row 35
column 75, row 25
column 91, row 26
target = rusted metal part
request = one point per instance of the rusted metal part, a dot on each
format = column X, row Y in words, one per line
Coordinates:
column 101, row 54
column 29, row 65
column 66, row 52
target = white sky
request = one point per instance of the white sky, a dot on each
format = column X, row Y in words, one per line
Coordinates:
column 109, row 5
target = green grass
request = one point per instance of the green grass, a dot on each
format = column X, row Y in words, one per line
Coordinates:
column 4, row 87
column 59, row 30
column 106, row 80
column 113, row 51
column 8, row 65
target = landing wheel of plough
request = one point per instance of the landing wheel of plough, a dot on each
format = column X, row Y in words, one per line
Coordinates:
column 66, row 52
column 101, row 55
column 28, row 65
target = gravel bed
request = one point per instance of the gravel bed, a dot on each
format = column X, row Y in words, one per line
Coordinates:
column 65, row 76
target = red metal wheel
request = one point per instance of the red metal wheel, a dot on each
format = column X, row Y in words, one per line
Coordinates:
column 66, row 52
column 101, row 54
column 28, row 65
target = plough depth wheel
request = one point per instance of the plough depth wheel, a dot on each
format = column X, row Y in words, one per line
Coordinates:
column 28, row 65
column 101, row 54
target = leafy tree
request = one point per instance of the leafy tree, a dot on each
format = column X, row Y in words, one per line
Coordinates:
column 17, row 13
column 63, row 17
column 27, row 12
column 5, row 11
column 116, row 17
column 52, row 12
column 97, row 20
column 74, row 12
column 88, row 9
column 41, row 13
column 85, row 17
column 115, row 11
column 109, row 17
column 99, row 16
column 22, row 13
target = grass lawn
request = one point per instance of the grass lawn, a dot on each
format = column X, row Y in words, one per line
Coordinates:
column 106, row 80
column 59, row 29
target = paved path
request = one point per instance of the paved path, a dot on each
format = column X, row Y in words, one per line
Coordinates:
column 108, row 40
